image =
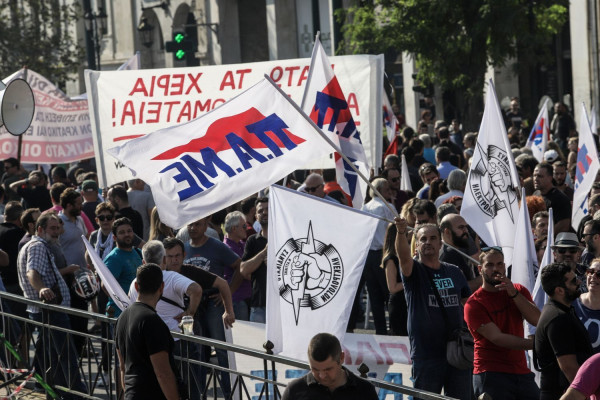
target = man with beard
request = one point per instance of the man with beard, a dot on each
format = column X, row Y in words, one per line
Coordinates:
column 566, row 249
column 554, row 198
column 455, row 235
column 426, row 321
column 591, row 238
column 123, row 260
column 560, row 176
column 562, row 343
column 494, row 315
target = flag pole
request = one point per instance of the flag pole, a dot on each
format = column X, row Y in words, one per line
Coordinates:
column 337, row 149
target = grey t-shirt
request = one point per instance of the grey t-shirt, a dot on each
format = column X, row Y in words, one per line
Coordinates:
column 212, row 256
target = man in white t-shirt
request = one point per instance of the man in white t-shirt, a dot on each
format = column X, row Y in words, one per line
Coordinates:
column 171, row 308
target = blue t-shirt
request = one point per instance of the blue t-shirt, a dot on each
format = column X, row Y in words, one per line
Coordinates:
column 426, row 326
column 591, row 320
column 123, row 265
column 212, row 256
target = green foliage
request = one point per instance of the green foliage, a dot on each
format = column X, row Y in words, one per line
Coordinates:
column 39, row 34
column 454, row 41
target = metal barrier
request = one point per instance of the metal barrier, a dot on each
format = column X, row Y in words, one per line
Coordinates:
column 93, row 376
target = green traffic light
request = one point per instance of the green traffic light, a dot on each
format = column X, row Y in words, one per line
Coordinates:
column 179, row 37
column 180, row 54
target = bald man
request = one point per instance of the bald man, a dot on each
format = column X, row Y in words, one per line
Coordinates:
column 315, row 185
column 455, row 234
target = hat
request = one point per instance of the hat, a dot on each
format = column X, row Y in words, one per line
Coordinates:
column 566, row 239
column 550, row 156
column 89, row 186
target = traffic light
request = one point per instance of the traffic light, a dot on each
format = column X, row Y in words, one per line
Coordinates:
column 426, row 90
column 180, row 46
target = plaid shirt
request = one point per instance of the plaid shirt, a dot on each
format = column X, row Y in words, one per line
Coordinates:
column 36, row 255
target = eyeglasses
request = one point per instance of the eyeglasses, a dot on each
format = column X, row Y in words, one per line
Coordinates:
column 592, row 272
column 103, row 218
column 570, row 250
column 395, row 179
column 588, row 234
column 495, row 248
column 312, row 189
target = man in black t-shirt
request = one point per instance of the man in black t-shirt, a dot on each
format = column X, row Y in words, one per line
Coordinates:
column 562, row 343
column 144, row 343
column 254, row 263
column 117, row 196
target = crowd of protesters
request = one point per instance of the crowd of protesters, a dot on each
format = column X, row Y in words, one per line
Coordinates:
column 217, row 266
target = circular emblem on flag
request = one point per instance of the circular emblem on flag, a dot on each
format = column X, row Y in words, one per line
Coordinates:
column 491, row 182
column 309, row 272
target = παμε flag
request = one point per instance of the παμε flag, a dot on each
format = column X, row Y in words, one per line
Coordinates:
column 540, row 134
column 524, row 260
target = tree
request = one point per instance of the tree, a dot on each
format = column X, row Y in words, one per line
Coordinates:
column 40, row 34
column 454, row 41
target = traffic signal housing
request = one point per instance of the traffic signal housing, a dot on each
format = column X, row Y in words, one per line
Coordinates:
column 180, row 46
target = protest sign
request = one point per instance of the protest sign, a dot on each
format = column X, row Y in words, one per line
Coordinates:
column 130, row 104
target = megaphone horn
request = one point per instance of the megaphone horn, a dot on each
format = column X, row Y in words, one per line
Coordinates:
column 17, row 106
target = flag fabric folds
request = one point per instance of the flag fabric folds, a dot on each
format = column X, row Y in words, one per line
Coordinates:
column 490, row 204
column 313, row 271
column 389, row 119
column 540, row 134
column 586, row 170
column 202, row 166
column 111, row 285
column 539, row 296
column 326, row 105
column 405, row 176
column 524, row 260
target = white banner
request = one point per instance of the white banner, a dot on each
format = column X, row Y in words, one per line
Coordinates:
column 586, row 170
column 524, row 260
column 60, row 131
column 388, row 358
column 202, row 166
column 539, row 296
column 491, row 205
column 129, row 104
column 313, row 269
column 108, row 280
column 540, row 134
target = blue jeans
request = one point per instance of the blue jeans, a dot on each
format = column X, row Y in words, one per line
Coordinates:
column 240, row 308
column 190, row 373
column 212, row 327
column 258, row 314
column 501, row 385
column 55, row 354
column 434, row 374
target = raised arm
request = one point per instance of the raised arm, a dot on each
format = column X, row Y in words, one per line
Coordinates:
column 403, row 247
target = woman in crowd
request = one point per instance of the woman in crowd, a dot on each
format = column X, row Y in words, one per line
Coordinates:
column 158, row 230
column 397, row 308
column 587, row 306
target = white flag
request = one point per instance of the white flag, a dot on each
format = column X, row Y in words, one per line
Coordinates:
column 116, row 293
column 405, row 177
column 540, row 134
column 586, row 170
column 326, row 105
column 524, row 260
column 539, row 296
column 202, row 166
column 389, row 119
column 313, row 269
column 490, row 204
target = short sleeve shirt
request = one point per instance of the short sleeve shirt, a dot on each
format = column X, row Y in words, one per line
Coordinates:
column 212, row 256
column 591, row 320
column 484, row 307
column 123, row 265
column 426, row 326
column 254, row 245
column 587, row 379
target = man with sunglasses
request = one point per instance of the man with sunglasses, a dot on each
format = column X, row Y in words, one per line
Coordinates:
column 567, row 249
column 495, row 314
column 587, row 307
column 591, row 238
column 425, row 279
column 315, row 185
column 562, row 343
column 393, row 177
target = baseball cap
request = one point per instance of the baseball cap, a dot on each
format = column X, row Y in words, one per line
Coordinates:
column 89, row 186
column 550, row 156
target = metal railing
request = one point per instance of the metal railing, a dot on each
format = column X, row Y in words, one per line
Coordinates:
column 96, row 366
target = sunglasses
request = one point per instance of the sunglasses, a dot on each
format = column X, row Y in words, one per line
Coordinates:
column 571, row 250
column 588, row 234
column 572, row 281
column 103, row 218
column 592, row 272
column 394, row 179
column 312, row 189
column 495, row 248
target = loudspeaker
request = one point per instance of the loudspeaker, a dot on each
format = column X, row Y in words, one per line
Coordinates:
column 17, row 106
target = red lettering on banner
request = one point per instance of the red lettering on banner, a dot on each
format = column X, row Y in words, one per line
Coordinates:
column 279, row 72
column 170, row 104
column 217, row 102
column 142, row 113
column 155, row 110
column 128, row 111
column 194, row 83
column 303, row 75
column 114, row 111
column 139, row 86
column 347, row 356
column 163, row 83
column 178, row 85
column 291, row 72
column 200, row 107
column 241, row 73
column 388, row 358
column 353, row 104
column 186, row 112
column 152, row 112
column 152, row 80
column 227, row 80
column 366, row 345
